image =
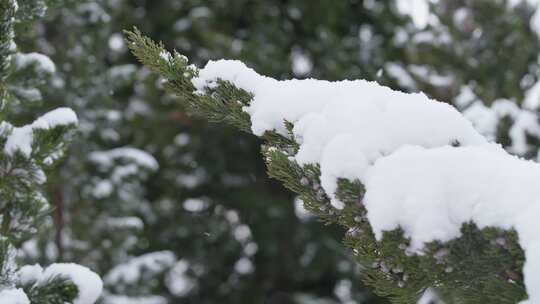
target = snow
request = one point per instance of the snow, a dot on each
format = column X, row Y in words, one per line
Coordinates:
column 329, row 115
column 195, row 205
column 403, row 78
column 88, row 283
column 301, row 64
column 182, row 24
column 116, row 42
column 102, row 189
column 301, row 213
column 242, row 233
column 343, row 291
column 182, row 139
column 425, row 168
column 200, row 12
column 21, row 138
column 465, row 97
column 532, row 96
column 132, row 271
column 178, row 281
column 430, row 193
column 486, row 120
column 122, row 72
column 29, row 94
column 127, row 222
column 191, row 180
column 418, row 10
column 121, row 299
column 55, row 118
column 94, row 12
column 13, row 296
column 251, row 248
column 431, row 76
column 535, row 22
column 460, row 16
column 29, row 274
column 42, row 62
column 15, row 5
column 165, row 55
column 139, row 157
column 244, row 266
column 429, row 297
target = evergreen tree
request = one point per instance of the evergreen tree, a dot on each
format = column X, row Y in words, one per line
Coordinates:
column 27, row 152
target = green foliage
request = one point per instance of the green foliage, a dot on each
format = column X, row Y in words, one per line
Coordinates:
column 465, row 270
column 55, row 291
column 230, row 99
column 31, row 9
column 7, row 16
column 23, row 206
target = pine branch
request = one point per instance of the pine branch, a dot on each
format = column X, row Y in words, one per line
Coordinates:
column 224, row 104
column 56, row 290
column 7, row 18
column 474, row 268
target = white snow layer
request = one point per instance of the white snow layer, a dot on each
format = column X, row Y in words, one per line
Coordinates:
column 418, row 10
column 139, row 157
column 140, row 267
column 401, row 147
column 42, row 62
column 13, row 296
column 21, row 138
column 29, row 274
column 88, row 283
column 121, row 299
column 535, row 20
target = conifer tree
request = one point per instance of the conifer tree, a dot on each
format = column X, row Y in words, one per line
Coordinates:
column 26, row 153
column 474, row 263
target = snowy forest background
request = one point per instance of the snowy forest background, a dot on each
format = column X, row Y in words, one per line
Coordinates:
column 167, row 208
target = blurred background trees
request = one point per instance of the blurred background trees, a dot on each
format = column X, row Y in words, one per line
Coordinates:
column 169, row 210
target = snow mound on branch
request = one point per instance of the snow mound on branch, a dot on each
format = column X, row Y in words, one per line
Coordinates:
column 425, row 168
column 55, row 118
column 29, row 274
column 21, row 138
column 141, row 267
column 430, row 193
column 13, row 296
column 140, row 157
column 121, row 299
column 447, row 186
column 418, row 10
column 339, row 124
column 88, row 283
column 42, row 62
